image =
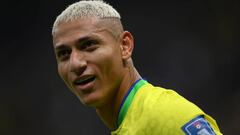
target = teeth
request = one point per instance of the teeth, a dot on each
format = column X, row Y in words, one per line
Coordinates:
column 84, row 80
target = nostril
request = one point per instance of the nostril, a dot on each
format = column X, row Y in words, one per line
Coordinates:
column 79, row 69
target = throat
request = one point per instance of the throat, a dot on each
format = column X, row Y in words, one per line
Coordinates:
column 109, row 113
column 108, row 116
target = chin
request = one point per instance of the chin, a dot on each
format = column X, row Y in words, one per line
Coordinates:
column 94, row 102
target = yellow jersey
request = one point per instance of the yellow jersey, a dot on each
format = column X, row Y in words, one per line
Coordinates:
column 150, row 110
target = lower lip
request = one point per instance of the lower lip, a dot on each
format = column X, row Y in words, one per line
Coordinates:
column 86, row 87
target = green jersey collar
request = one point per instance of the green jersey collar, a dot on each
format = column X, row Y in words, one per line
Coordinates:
column 128, row 100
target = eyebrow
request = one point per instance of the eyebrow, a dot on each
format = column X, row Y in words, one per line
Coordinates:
column 60, row 47
column 79, row 41
column 83, row 39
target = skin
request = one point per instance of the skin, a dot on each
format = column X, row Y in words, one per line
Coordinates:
column 100, row 50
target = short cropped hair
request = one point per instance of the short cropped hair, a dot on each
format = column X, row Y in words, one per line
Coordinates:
column 86, row 8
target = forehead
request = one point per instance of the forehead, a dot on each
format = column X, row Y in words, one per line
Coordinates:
column 78, row 27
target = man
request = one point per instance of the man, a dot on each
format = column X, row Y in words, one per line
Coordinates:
column 94, row 59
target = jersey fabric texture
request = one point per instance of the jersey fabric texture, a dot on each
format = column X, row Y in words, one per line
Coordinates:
column 150, row 110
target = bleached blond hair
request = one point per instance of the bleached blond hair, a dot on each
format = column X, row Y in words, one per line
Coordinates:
column 86, row 8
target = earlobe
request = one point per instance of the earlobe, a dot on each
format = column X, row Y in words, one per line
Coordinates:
column 127, row 44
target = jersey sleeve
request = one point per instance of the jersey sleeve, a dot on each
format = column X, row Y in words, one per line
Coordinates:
column 177, row 115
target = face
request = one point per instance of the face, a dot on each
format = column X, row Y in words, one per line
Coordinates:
column 89, row 60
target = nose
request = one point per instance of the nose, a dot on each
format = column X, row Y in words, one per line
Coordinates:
column 77, row 62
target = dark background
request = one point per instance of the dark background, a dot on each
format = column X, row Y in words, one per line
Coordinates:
column 191, row 46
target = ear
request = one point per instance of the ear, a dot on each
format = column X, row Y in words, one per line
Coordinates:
column 127, row 45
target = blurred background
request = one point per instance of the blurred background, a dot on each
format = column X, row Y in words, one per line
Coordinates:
column 191, row 46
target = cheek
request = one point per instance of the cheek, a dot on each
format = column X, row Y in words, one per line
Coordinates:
column 110, row 64
column 62, row 71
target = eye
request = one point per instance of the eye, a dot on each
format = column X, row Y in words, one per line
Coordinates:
column 89, row 45
column 63, row 54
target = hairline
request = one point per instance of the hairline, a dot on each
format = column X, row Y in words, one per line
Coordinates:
column 97, row 8
column 109, row 23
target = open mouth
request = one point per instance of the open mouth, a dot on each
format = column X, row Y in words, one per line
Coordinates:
column 84, row 80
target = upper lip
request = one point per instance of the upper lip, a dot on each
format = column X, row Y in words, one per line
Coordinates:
column 82, row 78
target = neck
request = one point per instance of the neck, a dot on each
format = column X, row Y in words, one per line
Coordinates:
column 109, row 113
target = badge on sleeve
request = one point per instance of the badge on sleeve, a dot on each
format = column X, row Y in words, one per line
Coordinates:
column 198, row 126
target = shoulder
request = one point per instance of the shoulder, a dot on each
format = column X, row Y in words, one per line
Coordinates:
column 158, row 99
column 156, row 110
column 172, row 112
column 167, row 103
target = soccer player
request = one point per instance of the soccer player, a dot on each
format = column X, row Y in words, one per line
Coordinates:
column 93, row 54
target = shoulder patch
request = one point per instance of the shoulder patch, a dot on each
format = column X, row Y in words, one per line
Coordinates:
column 198, row 126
